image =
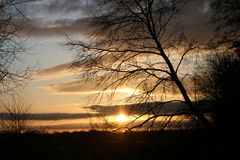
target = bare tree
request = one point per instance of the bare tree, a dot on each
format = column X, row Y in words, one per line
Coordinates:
column 15, row 114
column 227, row 19
column 12, row 21
column 139, row 43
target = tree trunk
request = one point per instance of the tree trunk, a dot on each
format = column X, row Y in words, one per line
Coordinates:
column 197, row 113
column 183, row 91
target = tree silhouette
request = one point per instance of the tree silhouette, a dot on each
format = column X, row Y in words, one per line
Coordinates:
column 12, row 22
column 227, row 18
column 134, row 43
column 218, row 79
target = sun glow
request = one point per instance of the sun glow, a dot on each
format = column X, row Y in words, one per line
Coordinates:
column 121, row 118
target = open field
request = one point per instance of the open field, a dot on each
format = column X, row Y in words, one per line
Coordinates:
column 106, row 145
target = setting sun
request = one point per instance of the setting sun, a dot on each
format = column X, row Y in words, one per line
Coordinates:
column 121, row 118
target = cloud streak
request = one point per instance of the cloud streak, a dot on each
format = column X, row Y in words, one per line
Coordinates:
column 73, row 87
column 92, row 86
column 60, row 27
column 69, row 6
column 58, row 71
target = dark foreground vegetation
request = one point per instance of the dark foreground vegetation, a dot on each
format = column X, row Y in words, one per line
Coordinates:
column 106, row 145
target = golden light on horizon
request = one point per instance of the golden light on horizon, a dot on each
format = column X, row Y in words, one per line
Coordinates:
column 121, row 118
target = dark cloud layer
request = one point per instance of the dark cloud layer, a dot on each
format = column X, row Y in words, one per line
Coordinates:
column 106, row 111
column 139, row 108
column 53, row 116
column 194, row 18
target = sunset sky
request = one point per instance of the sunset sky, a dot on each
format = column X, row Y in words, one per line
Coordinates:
column 55, row 88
